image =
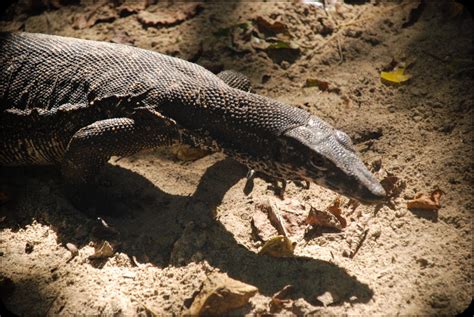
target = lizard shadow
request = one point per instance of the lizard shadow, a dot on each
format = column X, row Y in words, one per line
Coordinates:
column 155, row 227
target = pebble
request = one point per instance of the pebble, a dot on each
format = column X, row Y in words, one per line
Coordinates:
column 439, row 300
column 29, row 247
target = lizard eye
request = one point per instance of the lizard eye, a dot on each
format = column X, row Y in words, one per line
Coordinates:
column 317, row 162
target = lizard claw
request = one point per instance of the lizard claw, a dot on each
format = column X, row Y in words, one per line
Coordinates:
column 249, row 183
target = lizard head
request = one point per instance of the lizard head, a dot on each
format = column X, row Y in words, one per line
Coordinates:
column 319, row 153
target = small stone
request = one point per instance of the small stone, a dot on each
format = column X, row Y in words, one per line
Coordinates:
column 285, row 65
column 29, row 247
column 423, row 262
column 439, row 300
column 376, row 232
column 72, row 248
column 326, row 299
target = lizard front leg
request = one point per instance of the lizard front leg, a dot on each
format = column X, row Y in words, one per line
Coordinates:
column 92, row 146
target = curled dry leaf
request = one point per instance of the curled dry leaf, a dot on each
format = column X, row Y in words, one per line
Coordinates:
column 422, row 201
column 331, row 217
column 102, row 250
column 219, row 295
column 324, row 219
column 279, row 246
column 335, row 209
column 396, row 76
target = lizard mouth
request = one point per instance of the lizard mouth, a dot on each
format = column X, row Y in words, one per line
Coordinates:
column 364, row 187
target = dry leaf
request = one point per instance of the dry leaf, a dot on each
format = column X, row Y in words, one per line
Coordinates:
column 279, row 246
column 168, row 15
column 335, row 209
column 270, row 27
column 396, row 76
column 331, row 217
column 422, row 201
column 188, row 153
column 219, row 295
column 102, row 250
column 324, row 219
column 286, row 217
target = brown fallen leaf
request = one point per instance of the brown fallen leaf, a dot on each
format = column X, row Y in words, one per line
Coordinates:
column 422, row 201
column 279, row 246
column 270, row 27
column 168, row 15
column 331, row 217
column 219, row 295
column 335, row 209
column 324, row 219
column 102, row 250
column 188, row 153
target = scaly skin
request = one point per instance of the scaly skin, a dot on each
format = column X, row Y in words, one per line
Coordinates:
column 75, row 103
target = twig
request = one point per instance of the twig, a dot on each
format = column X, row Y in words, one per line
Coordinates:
column 51, row 304
column 339, row 48
column 434, row 56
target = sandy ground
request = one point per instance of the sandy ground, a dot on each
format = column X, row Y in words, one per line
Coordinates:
column 175, row 222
